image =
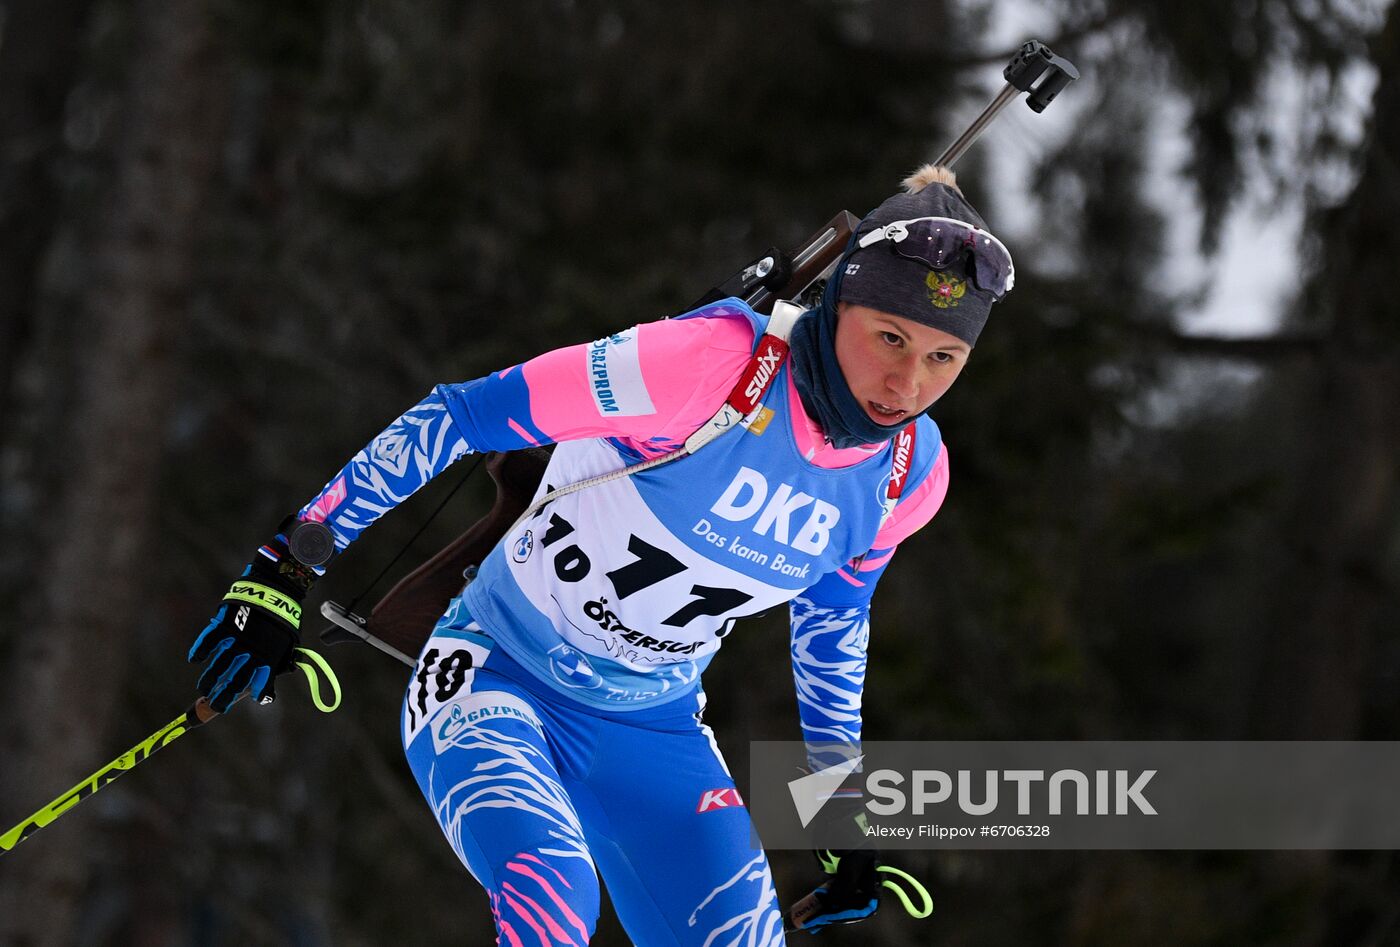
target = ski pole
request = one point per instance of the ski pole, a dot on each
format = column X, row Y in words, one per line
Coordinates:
column 198, row 714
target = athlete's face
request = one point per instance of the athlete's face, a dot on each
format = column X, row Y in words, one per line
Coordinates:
column 895, row 367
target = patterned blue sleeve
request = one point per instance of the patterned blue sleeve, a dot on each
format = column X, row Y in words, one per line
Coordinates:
column 451, row 421
column 830, row 635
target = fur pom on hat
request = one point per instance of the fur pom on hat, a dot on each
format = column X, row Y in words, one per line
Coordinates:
column 930, row 174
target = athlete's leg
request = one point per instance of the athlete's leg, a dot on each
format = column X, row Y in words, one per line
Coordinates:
column 476, row 743
column 673, row 840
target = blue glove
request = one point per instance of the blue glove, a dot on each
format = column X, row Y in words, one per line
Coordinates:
column 252, row 636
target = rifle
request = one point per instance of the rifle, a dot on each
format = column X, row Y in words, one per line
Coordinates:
column 401, row 622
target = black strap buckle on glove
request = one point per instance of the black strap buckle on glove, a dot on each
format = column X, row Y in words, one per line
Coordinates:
column 252, row 636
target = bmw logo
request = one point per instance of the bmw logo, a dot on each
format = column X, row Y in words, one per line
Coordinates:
column 572, row 669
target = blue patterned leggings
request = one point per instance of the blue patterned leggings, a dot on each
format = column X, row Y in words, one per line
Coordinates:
column 534, row 791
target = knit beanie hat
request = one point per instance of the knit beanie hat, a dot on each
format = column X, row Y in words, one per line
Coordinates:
column 900, row 278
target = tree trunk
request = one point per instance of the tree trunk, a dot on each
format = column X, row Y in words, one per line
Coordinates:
column 1331, row 606
column 69, row 667
column 39, row 53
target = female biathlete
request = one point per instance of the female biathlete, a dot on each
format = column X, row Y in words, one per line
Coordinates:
column 554, row 719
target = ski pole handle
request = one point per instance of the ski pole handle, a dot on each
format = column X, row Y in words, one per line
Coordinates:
column 197, row 714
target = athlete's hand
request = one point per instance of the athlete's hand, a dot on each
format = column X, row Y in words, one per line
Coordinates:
column 851, row 892
column 252, row 636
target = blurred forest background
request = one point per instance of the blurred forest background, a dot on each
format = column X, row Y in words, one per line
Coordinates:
column 237, row 238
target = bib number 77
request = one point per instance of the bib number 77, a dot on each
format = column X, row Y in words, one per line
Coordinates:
column 650, row 566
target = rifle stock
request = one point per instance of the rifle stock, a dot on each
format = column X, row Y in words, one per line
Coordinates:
column 405, row 616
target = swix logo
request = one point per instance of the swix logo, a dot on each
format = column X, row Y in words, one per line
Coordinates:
column 713, row 799
column 766, row 362
column 903, row 447
column 747, row 497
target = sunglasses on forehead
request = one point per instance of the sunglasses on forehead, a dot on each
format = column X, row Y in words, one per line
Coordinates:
column 939, row 242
